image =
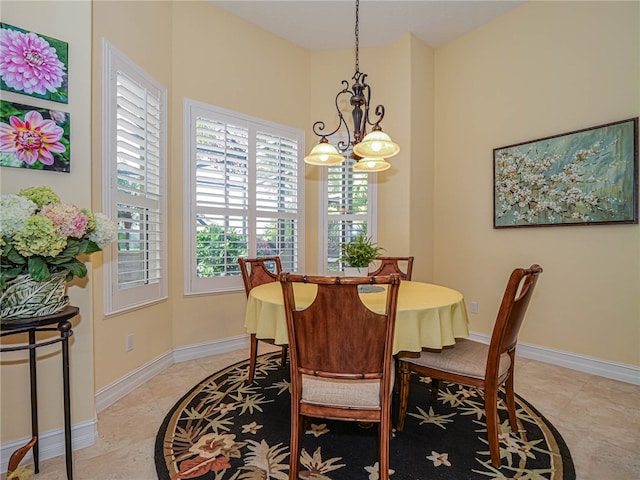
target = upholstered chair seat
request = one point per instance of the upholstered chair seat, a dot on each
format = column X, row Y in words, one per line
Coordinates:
column 468, row 358
column 343, row 393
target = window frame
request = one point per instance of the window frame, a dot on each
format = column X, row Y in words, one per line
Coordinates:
column 118, row 300
column 323, row 214
column 193, row 285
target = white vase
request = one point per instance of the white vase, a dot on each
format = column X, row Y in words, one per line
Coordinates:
column 356, row 272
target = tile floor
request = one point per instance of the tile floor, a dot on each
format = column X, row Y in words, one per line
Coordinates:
column 598, row 418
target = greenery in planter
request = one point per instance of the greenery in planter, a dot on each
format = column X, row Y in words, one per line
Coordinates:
column 359, row 252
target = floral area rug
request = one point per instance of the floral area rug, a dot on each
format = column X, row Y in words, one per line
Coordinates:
column 228, row 429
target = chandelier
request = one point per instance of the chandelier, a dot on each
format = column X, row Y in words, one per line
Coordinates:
column 369, row 149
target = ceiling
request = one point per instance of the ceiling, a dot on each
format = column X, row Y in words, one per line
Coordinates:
column 329, row 24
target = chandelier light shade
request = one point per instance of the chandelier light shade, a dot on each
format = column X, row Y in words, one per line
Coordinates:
column 368, row 164
column 324, row 154
column 376, row 144
column 370, row 149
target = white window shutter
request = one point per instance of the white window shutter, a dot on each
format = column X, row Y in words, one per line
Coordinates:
column 245, row 191
column 135, row 162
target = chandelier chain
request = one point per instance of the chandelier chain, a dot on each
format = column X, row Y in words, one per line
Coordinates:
column 357, row 31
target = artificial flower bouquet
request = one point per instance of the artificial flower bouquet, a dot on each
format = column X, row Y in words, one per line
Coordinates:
column 41, row 236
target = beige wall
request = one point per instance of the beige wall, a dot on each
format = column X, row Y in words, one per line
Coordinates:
column 71, row 22
column 401, row 76
column 237, row 66
column 422, row 145
column 390, row 77
column 545, row 68
column 142, row 32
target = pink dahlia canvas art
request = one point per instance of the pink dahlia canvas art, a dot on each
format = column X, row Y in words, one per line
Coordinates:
column 33, row 64
column 34, row 138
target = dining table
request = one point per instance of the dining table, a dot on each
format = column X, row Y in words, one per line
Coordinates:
column 427, row 315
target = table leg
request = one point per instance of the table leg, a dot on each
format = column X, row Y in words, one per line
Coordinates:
column 33, row 383
column 65, row 328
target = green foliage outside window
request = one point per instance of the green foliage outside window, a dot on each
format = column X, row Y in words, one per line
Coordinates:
column 218, row 251
column 219, row 248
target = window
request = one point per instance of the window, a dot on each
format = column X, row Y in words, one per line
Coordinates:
column 134, row 162
column 244, row 196
column 347, row 209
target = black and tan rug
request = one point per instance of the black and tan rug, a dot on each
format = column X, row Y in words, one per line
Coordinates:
column 227, row 429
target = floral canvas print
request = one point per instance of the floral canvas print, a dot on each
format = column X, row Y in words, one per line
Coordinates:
column 33, row 64
column 585, row 177
column 34, row 138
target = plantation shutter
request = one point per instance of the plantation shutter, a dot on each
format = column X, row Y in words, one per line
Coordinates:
column 136, row 154
column 139, row 191
column 222, row 196
column 245, row 191
column 277, row 198
column 246, row 196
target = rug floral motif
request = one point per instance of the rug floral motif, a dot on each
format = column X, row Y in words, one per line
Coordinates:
column 228, row 429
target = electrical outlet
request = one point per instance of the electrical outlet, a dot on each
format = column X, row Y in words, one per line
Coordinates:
column 129, row 343
column 474, row 307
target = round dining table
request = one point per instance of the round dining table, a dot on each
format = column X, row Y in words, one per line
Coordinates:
column 427, row 316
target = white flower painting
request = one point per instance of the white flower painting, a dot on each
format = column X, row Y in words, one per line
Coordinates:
column 585, row 177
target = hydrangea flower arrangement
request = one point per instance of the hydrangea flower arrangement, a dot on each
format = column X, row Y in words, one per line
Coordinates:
column 40, row 235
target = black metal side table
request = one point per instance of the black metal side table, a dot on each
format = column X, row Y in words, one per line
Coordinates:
column 57, row 322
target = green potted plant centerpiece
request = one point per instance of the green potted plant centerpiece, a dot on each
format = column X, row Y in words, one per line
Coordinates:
column 358, row 254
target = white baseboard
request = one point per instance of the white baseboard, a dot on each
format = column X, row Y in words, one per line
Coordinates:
column 582, row 363
column 52, row 443
column 110, row 394
column 199, row 350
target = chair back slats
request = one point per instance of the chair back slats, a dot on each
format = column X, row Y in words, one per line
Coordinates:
column 513, row 308
column 337, row 336
column 256, row 271
column 389, row 265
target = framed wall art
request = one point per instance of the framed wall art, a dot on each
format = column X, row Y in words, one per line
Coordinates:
column 584, row 177
column 33, row 64
column 34, row 138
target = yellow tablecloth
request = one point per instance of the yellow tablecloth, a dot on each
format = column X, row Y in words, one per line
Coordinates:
column 428, row 315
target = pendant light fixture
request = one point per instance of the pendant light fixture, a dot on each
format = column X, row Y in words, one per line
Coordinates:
column 370, row 149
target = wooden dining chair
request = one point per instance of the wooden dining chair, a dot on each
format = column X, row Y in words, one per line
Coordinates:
column 340, row 357
column 389, row 265
column 477, row 364
column 256, row 271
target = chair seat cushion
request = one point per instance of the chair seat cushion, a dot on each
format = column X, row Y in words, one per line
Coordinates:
column 343, row 393
column 467, row 358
